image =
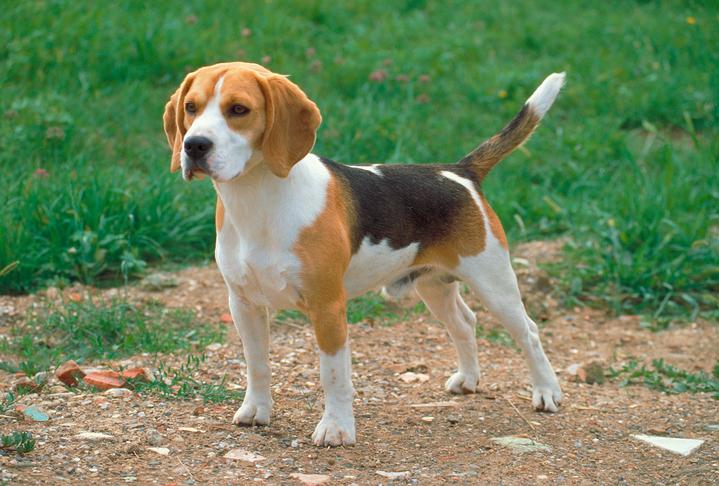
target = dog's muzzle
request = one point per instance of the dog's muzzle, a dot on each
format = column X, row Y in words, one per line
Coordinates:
column 197, row 149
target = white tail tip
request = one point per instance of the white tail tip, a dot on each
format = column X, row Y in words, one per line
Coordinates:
column 542, row 99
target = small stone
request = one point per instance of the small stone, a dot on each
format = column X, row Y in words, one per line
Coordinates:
column 95, row 437
column 117, row 392
column 591, row 372
column 520, row 444
column 163, row 451
column 452, row 419
column 310, row 479
column 242, row 455
column 295, row 443
column 154, row 438
column 394, row 476
column 133, row 448
column 36, row 414
column 428, row 419
column 55, row 389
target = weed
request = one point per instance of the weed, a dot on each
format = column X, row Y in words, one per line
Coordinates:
column 20, row 442
column 184, row 382
column 668, row 379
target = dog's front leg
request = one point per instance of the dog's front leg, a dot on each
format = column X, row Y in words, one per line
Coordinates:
column 252, row 324
column 337, row 426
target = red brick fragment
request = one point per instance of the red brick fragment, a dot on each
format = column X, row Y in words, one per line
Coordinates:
column 226, row 318
column 135, row 374
column 105, row 380
column 69, row 373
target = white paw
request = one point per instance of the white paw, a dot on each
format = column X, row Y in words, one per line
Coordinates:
column 461, row 384
column 547, row 398
column 250, row 414
column 331, row 434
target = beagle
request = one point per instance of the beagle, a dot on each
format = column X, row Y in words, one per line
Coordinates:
column 298, row 231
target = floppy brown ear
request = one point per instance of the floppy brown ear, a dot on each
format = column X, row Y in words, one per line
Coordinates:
column 292, row 122
column 174, row 120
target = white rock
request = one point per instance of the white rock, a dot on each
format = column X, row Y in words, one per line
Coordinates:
column 681, row 446
column 95, row 437
column 160, row 450
column 310, row 479
column 521, row 444
column 117, row 392
column 242, row 455
column 395, row 475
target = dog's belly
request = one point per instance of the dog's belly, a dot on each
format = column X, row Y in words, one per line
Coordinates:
column 374, row 265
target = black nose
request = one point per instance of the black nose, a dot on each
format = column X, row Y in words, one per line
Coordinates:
column 197, row 147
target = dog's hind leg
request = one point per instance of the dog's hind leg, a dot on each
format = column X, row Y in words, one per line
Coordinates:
column 491, row 276
column 445, row 303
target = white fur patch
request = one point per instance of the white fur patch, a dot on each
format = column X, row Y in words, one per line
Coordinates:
column 466, row 183
column 374, row 168
column 542, row 99
column 264, row 216
column 376, row 265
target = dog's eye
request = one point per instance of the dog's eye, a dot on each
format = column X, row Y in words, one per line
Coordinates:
column 190, row 108
column 239, row 110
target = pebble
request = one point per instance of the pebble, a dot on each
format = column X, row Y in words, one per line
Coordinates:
column 133, row 448
column 242, row 455
column 452, row 419
column 95, row 437
column 520, row 444
column 36, row 414
column 154, row 438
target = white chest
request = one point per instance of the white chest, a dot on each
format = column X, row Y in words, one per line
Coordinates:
column 264, row 216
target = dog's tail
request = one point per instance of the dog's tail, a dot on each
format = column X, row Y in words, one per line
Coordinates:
column 482, row 159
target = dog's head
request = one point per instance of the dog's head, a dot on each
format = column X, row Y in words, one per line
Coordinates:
column 225, row 119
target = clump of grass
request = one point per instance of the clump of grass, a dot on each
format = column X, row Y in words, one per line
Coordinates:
column 95, row 329
column 184, row 382
column 668, row 379
column 652, row 244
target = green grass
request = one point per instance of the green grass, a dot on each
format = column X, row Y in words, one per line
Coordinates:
column 669, row 379
column 97, row 330
column 185, row 382
column 625, row 165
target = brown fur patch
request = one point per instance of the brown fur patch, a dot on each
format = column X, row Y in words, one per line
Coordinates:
column 467, row 238
column 323, row 249
column 482, row 159
column 219, row 215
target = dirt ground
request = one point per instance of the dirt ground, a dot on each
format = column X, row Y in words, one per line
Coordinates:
column 406, row 423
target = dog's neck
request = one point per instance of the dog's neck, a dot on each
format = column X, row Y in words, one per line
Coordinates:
column 261, row 201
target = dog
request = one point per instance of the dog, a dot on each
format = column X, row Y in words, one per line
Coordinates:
column 298, row 231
